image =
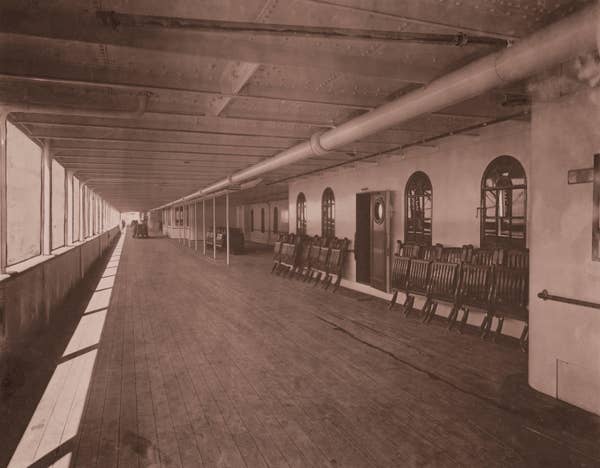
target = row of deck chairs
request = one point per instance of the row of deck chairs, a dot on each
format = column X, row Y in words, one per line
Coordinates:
column 314, row 259
column 492, row 280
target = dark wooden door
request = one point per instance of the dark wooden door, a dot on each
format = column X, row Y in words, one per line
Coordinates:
column 380, row 249
column 362, row 238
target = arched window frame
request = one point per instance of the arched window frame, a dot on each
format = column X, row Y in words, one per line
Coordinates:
column 301, row 214
column 504, row 224
column 418, row 209
column 328, row 213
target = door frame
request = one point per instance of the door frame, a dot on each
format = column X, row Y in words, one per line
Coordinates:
column 389, row 212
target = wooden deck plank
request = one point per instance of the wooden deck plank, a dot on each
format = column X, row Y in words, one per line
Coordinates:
column 204, row 365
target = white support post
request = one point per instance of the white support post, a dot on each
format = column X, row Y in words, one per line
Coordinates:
column 227, row 222
column 188, row 227
column 214, row 229
column 196, row 226
column 179, row 236
column 203, row 228
column 68, row 204
column 3, row 191
column 46, row 198
column 81, row 211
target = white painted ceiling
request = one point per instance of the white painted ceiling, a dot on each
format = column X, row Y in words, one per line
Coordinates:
column 221, row 101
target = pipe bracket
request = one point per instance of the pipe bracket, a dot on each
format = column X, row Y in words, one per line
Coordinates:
column 315, row 144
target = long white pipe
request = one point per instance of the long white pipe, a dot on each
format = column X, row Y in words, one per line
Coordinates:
column 544, row 49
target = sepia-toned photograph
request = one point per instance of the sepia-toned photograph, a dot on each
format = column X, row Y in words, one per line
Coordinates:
column 299, row 233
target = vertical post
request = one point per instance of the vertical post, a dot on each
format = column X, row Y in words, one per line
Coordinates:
column 195, row 225
column 203, row 228
column 46, row 198
column 81, row 210
column 3, row 191
column 227, row 222
column 71, row 225
column 214, row 230
column 189, row 225
column 68, row 197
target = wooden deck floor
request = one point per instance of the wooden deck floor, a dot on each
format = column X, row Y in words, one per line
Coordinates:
column 204, row 365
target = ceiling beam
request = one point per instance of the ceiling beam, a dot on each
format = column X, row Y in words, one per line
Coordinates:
column 173, row 136
column 157, row 147
column 284, row 95
column 124, row 20
column 89, row 29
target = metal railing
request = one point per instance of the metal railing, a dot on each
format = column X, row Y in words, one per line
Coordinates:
column 550, row 297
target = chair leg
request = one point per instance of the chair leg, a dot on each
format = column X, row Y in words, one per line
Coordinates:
column 498, row 331
column 524, row 339
column 328, row 283
column 464, row 320
column 408, row 304
column 426, row 310
column 317, row 279
column 394, row 299
column 432, row 311
column 274, row 267
column 452, row 317
column 338, row 281
column 486, row 325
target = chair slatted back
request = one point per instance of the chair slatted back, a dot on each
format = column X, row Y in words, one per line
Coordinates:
column 453, row 255
column 418, row 276
column 321, row 263
column 517, row 258
column 510, row 291
column 410, row 250
column 315, row 251
column 304, row 251
column 432, row 253
column 487, row 257
column 400, row 270
column 337, row 253
column 443, row 280
column 277, row 247
column 288, row 250
column 474, row 289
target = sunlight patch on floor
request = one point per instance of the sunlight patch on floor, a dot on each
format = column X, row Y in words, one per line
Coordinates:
column 55, row 422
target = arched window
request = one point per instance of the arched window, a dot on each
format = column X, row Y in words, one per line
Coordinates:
column 275, row 220
column 418, row 210
column 301, row 214
column 251, row 220
column 262, row 220
column 504, row 204
column 328, row 213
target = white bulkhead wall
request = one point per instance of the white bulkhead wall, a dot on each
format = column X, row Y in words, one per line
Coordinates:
column 564, row 349
column 455, row 168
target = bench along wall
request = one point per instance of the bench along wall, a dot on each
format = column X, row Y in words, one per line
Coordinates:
column 564, row 350
column 31, row 298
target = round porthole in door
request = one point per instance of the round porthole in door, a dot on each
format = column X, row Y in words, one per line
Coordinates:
column 379, row 210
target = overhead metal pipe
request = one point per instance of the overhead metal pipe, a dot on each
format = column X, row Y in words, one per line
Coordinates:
column 544, row 49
